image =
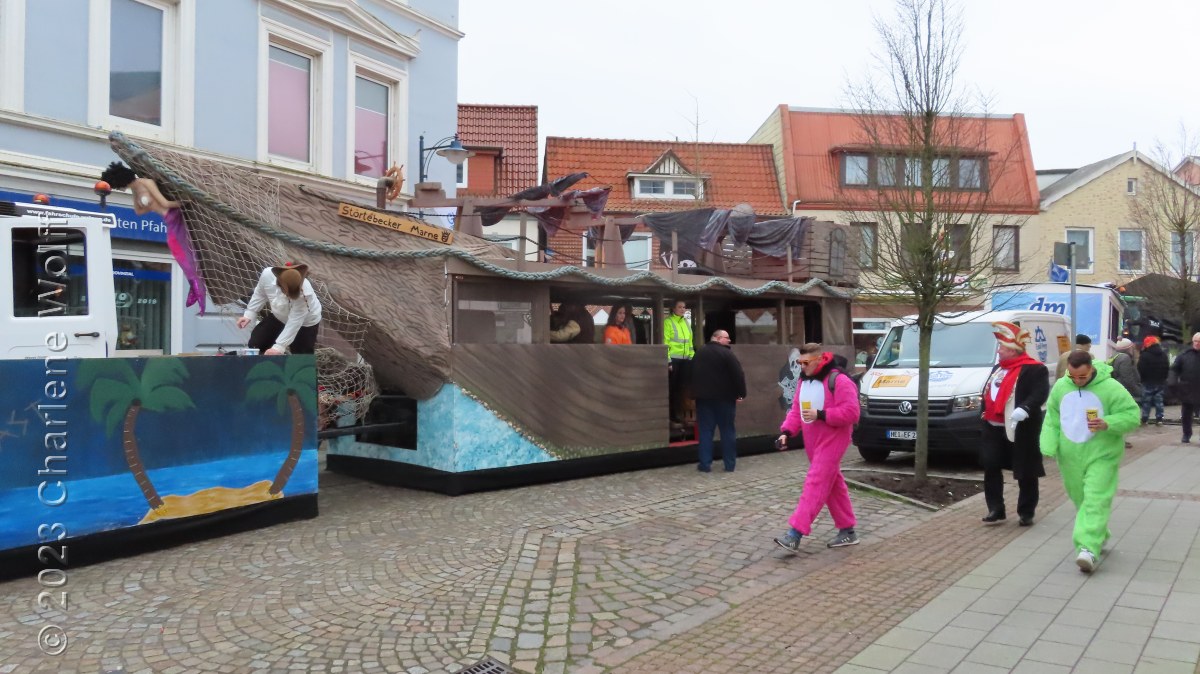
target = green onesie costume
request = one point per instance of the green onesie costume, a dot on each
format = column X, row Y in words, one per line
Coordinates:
column 1088, row 461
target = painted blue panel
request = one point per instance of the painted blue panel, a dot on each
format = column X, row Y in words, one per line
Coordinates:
column 1089, row 306
column 130, row 225
column 203, row 433
column 56, row 60
column 454, row 434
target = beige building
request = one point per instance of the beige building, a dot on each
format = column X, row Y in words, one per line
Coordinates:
column 1092, row 206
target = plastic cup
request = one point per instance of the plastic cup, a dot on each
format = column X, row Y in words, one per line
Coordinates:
column 1093, row 413
column 806, row 404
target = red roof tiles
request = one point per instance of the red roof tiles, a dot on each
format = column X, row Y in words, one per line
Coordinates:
column 512, row 129
column 734, row 173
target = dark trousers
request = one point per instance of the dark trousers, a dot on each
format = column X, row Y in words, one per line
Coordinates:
column 993, row 493
column 677, row 379
column 1187, row 411
column 267, row 331
column 712, row 414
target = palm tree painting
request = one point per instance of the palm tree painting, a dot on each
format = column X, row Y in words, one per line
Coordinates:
column 291, row 388
column 118, row 396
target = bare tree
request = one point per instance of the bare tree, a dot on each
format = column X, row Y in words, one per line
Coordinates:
column 1168, row 211
column 927, row 173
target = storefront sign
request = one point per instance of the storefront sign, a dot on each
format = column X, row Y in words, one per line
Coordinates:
column 396, row 222
column 130, row 225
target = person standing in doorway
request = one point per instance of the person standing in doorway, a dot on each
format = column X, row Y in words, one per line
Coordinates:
column 677, row 335
column 1152, row 369
column 1187, row 370
column 1087, row 418
column 718, row 384
column 1012, row 421
column 824, row 410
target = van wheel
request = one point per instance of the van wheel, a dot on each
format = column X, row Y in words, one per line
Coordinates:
column 874, row 454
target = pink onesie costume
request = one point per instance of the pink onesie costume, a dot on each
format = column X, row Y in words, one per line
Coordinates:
column 825, row 442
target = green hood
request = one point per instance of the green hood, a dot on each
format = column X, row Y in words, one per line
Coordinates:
column 1103, row 372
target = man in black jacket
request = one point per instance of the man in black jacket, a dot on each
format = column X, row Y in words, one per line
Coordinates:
column 1012, row 423
column 717, row 385
column 1187, row 368
column 1152, row 367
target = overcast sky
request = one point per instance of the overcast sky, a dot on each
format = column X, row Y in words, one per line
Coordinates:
column 1092, row 78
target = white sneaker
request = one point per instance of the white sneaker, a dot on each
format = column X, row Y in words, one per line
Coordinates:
column 1086, row 561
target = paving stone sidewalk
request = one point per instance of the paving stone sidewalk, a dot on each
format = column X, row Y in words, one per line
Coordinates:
column 661, row 570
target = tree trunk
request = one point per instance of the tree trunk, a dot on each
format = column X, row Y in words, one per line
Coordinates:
column 924, row 340
column 134, row 458
column 293, row 457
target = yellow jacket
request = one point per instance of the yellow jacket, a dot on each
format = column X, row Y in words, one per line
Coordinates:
column 677, row 335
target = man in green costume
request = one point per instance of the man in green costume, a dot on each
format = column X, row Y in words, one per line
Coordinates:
column 1087, row 418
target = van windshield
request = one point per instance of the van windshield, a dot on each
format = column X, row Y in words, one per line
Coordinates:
column 963, row 345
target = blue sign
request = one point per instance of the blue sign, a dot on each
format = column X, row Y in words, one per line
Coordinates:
column 1089, row 306
column 130, row 225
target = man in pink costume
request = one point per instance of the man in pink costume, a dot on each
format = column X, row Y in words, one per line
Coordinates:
column 824, row 410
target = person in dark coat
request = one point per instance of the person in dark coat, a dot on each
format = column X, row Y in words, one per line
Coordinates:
column 1012, row 422
column 718, row 384
column 1152, row 367
column 1187, row 369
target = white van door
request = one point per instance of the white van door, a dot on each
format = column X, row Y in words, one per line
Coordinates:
column 57, row 298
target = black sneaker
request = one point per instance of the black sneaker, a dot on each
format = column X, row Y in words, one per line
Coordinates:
column 1186, row 441
column 790, row 541
column 1145, row 421
column 993, row 517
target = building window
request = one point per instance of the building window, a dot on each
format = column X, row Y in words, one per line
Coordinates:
column 941, row 172
column 460, row 175
column 868, row 244
column 1183, row 253
column 1006, row 252
column 137, row 81
column 1131, row 187
column 295, row 122
column 970, row 174
column 651, row 187
column 289, row 93
column 1130, row 242
column 377, row 101
column 856, row 169
column 371, row 121
column 886, row 171
column 683, row 188
column 1082, row 238
column 637, row 252
column 135, row 66
column 960, row 246
column 912, row 172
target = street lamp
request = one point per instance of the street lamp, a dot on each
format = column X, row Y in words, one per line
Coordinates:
column 453, row 150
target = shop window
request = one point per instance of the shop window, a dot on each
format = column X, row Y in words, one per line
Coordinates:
column 143, row 299
column 49, row 272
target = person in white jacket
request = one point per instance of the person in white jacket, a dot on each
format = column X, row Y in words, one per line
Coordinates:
column 294, row 312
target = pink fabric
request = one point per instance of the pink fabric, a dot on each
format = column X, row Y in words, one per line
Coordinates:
column 825, row 442
column 179, row 241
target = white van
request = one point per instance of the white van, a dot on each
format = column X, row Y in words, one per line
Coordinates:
column 962, row 355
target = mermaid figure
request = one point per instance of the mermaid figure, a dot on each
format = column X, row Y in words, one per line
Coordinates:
column 147, row 198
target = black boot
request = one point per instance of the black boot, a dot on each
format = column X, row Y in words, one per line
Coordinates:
column 993, row 517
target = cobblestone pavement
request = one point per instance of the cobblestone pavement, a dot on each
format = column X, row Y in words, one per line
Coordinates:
column 659, row 570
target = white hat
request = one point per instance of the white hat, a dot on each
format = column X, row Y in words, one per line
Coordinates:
column 1123, row 344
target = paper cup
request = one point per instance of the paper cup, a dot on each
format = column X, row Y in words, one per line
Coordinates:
column 806, row 404
column 1093, row 413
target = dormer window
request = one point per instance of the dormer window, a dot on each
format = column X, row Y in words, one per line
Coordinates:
column 662, row 187
column 963, row 173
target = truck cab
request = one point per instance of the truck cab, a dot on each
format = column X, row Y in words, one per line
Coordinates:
column 57, row 299
column 961, row 358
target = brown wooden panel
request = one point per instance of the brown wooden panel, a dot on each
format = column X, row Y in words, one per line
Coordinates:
column 580, row 399
column 761, row 412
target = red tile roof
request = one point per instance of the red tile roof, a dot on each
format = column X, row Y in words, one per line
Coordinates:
column 735, row 173
column 514, row 129
column 811, row 170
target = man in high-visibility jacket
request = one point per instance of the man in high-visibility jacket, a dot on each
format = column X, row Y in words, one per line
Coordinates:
column 677, row 335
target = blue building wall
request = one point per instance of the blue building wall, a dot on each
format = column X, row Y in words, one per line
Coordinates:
column 227, row 78
column 56, row 61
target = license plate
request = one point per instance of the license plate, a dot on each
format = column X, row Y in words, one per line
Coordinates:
column 902, row 435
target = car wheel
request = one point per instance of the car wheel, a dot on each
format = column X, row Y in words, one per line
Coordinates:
column 874, row 454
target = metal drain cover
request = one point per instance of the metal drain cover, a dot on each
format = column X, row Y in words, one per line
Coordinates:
column 487, row 666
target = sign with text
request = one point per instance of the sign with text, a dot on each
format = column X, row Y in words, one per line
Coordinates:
column 130, row 225
column 396, row 222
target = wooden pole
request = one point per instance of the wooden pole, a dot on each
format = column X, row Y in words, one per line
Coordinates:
column 789, row 263
column 521, row 247
column 674, row 256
